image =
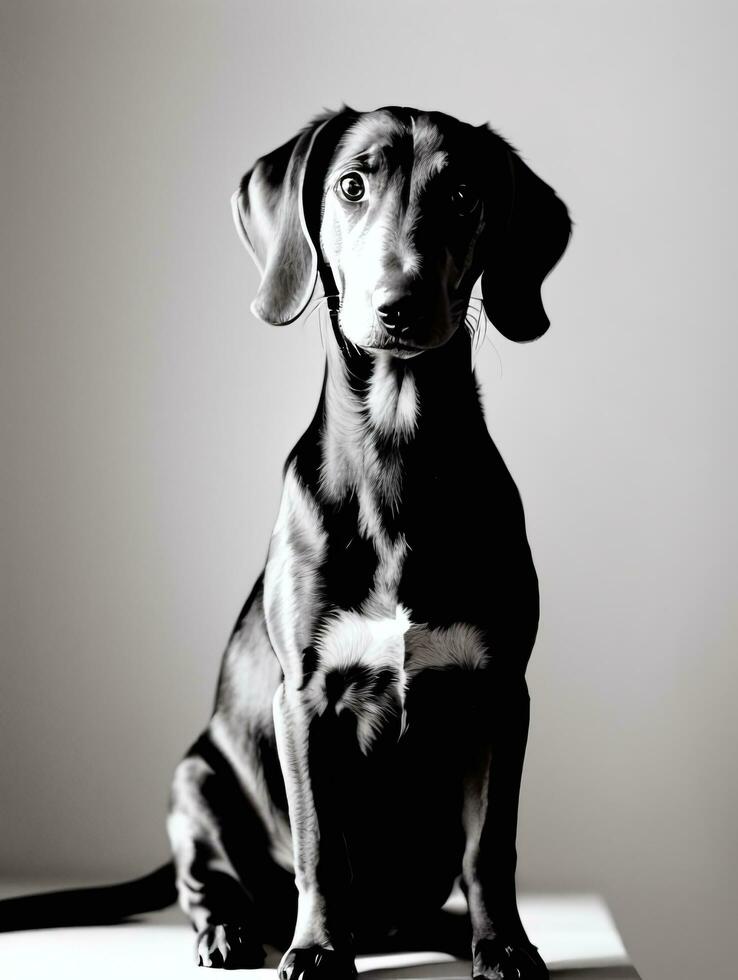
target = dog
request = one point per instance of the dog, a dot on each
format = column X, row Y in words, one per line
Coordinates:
column 368, row 735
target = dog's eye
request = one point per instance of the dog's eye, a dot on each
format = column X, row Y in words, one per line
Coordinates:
column 352, row 186
column 463, row 199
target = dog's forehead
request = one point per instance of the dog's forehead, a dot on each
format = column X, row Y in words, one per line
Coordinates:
column 405, row 140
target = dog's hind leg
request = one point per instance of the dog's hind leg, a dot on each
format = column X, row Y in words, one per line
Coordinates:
column 234, row 893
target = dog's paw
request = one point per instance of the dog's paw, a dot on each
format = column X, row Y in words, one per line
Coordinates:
column 496, row 960
column 316, row 963
column 228, row 947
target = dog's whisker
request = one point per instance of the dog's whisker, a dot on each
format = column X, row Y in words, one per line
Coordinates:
column 473, row 317
column 316, row 309
column 320, row 303
column 488, row 339
column 321, row 330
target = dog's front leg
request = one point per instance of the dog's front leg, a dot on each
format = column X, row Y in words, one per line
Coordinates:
column 321, row 945
column 308, row 751
column 500, row 946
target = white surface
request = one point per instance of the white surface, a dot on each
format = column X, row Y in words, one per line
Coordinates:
column 572, row 931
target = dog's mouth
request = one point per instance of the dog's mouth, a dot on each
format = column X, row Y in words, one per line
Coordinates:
column 395, row 347
column 425, row 335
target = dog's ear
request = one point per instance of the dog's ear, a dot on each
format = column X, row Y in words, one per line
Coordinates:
column 277, row 215
column 521, row 251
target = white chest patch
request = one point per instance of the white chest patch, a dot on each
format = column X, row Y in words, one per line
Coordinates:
column 392, row 401
column 365, row 664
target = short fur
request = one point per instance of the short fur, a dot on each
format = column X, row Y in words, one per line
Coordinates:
column 369, row 728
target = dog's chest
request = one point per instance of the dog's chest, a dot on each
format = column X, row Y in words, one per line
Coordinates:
column 334, row 613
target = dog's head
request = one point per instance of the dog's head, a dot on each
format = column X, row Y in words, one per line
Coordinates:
column 406, row 209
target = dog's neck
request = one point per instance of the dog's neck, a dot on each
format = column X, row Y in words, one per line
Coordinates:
column 381, row 417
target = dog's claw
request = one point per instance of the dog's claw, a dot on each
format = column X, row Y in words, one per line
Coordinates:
column 228, row 947
column 496, row 960
column 316, row 963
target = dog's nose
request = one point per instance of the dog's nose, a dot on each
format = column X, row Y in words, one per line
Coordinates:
column 396, row 315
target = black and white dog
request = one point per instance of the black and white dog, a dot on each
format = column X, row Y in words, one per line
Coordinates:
column 369, row 730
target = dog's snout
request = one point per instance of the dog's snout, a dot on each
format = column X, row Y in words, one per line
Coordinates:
column 396, row 314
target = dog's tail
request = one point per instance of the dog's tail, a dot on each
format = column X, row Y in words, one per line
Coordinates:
column 95, row 906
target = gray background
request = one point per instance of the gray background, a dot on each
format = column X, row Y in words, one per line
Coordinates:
column 145, row 414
